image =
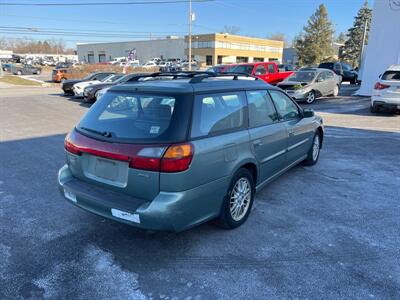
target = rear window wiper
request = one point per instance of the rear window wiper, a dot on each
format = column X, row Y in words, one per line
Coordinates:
column 102, row 133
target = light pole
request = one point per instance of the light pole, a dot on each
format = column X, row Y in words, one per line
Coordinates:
column 190, row 36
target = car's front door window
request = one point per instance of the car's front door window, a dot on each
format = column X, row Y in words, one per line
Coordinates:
column 286, row 108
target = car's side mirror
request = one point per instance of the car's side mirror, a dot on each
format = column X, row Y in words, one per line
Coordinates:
column 319, row 80
column 380, row 75
column 257, row 73
column 308, row 113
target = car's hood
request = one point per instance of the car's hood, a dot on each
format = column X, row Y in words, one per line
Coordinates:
column 86, row 83
column 101, row 85
column 292, row 83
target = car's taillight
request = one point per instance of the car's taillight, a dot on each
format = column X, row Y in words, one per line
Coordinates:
column 70, row 147
column 177, row 158
column 380, row 86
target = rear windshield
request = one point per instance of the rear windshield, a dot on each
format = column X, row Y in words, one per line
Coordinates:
column 247, row 69
column 135, row 117
column 391, row 75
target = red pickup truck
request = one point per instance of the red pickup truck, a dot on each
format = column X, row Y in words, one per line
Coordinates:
column 267, row 71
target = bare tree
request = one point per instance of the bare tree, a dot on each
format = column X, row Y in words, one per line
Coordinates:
column 231, row 29
column 278, row 36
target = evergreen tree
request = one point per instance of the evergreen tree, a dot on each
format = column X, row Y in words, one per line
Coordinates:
column 314, row 44
column 353, row 45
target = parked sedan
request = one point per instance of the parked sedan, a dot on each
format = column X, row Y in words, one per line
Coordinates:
column 90, row 93
column 308, row 84
column 67, row 85
column 78, row 88
column 26, row 70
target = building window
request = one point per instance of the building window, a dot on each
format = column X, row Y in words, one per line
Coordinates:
column 242, row 59
column 258, row 59
column 209, row 61
column 219, row 59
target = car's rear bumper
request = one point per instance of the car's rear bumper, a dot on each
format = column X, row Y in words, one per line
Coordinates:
column 385, row 101
column 168, row 211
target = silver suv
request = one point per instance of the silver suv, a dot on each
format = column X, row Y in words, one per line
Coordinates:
column 170, row 154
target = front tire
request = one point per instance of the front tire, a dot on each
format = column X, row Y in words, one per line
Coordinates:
column 313, row 153
column 238, row 200
column 19, row 73
column 310, row 98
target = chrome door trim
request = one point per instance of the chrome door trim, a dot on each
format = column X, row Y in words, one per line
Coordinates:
column 297, row 144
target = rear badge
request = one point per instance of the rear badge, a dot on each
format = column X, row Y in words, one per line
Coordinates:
column 70, row 195
column 125, row 215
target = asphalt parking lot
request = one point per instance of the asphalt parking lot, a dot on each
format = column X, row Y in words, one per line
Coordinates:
column 330, row 231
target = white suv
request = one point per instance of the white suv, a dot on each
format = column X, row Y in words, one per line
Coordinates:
column 386, row 92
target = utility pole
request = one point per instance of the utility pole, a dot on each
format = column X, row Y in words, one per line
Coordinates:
column 363, row 42
column 1, row 70
column 190, row 36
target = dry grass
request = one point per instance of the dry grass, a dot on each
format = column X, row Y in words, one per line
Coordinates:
column 18, row 81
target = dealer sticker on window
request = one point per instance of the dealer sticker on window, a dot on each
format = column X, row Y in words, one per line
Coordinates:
column 154, row 129
column 125, row 215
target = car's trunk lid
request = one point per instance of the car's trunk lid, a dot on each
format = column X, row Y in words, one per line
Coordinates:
column 107, row 164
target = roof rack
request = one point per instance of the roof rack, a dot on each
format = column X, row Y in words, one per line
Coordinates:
column 195, row 76
column 235, row 76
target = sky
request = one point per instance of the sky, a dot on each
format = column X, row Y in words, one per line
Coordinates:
column 80, row 24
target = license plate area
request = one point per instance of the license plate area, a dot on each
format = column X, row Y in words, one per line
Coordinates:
column 105, row 170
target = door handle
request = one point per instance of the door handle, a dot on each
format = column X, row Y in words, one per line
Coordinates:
column 291, row 132
column 257, row 143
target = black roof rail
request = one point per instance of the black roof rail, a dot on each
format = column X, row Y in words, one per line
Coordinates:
column 195, row 76
column 199, row 78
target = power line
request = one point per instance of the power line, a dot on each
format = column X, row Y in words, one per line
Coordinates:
column 103, row 3
column 37, row 29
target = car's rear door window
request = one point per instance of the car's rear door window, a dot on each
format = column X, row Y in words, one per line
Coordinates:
column 391, row 75
column 218, row 113
column 261, row 109
column 133, row 117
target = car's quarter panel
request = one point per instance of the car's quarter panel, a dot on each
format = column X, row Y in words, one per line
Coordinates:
column 207, row 179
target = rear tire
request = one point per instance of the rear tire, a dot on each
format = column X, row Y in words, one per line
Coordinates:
column 38, row 72
column 313, row 153
column 238, row 200
column 19, row 73
column 335, row 91
column 374, row 109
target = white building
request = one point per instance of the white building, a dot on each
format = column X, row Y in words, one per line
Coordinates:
column 383, row 47
column 170, row 47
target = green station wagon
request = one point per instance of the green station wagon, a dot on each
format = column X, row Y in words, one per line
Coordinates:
column 169, row 154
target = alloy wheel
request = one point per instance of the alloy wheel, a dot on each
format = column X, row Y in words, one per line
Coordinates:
column 240, row 199
column 315, row 150
column 310, row 97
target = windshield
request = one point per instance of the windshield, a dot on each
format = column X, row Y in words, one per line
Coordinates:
column 247, row 69
column 301, row 76
column 107, row 79
column 134, row 117
column 115, row 78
